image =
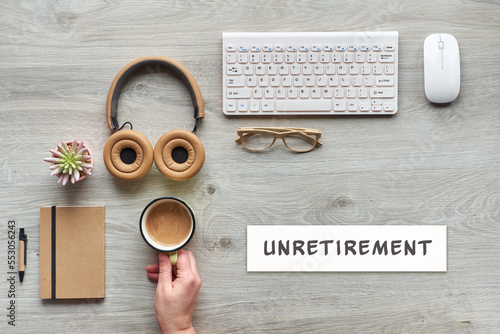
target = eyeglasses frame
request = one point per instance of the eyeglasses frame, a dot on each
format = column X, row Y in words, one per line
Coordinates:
column 280, row 132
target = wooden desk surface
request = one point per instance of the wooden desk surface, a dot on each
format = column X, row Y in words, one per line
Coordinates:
column 426, row 165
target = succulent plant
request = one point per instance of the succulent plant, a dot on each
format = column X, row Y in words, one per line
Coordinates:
column 71, row 161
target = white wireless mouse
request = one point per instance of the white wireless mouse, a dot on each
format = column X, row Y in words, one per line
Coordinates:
column 441, row 68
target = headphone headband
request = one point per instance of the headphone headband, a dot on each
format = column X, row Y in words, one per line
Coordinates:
column 154, row 61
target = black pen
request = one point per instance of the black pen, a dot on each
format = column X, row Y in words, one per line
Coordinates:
column 23, row 242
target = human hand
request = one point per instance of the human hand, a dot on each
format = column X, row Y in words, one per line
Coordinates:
column 175, row 294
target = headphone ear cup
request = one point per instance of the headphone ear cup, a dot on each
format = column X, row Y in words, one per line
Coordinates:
column 192, row 155
column 128, row 155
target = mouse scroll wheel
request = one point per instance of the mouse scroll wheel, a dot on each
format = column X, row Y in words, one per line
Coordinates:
column 441, row 45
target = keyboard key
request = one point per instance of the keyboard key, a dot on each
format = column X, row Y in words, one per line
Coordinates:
column 342, row 69
column 243, row 58
column 304, row 93
column 339, row 93
column 268, row 105
column 352, row 105
column 313, row 58
column 384, row 81
column 388, row 107
column 231, row 105
column 236, row 82
column 354, row 69
column 231, row 48
column 307, row 69
column 281, row 93
column 339, row 105
column 254, row 105
column 378, row 69
column 255, row 48
column 231, row 58
column 292, row 93
column 377, row 47
column 242, row 105
column 252, row 81
column 327, row 93
column 234, row 70
column 362, row 93
column 386, row 57
column 350, row 93
column 286, row 81
column 389, row 69
column 238, row 93
column 333, row 81
column 257, row 93
column 279, row 48
column 248, row 69
column 291, row 48
column 319, row 69
column 322, row 81
column 269, row 93
column 389, row 47
column 272, row 69
column 283, row 69
column 364, row 107
column 348, row 57
column 274, row 81
column 298, row 81
column 315, row 93
column 357, row 81
column 381, row 93
column 243, row 48
column 304, row 105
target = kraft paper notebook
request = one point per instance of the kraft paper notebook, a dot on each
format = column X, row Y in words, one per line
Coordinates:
column 71, row 252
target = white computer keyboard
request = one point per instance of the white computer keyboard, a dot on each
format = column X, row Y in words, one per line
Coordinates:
column 310, row 73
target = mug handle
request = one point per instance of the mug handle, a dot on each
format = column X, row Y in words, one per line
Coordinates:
column 173, row 257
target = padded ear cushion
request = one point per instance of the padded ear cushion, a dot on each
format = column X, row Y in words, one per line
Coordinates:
column 131, row 140
column 163, row 155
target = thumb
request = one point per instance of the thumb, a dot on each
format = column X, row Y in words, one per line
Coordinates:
column 165, row 270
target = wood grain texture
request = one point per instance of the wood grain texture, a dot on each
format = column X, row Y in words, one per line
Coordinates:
column 426, row 165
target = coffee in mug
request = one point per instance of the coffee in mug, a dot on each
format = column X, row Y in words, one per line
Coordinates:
column 167, row 224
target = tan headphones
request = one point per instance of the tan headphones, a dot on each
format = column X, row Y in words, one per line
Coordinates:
column 128, row 154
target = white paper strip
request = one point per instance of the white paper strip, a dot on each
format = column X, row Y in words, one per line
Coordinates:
column 346, row 248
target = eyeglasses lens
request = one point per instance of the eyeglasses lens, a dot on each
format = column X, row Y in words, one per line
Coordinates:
column 300, row 142
column 257, row 141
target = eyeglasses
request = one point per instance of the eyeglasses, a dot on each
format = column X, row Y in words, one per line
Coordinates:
column 295, row 139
